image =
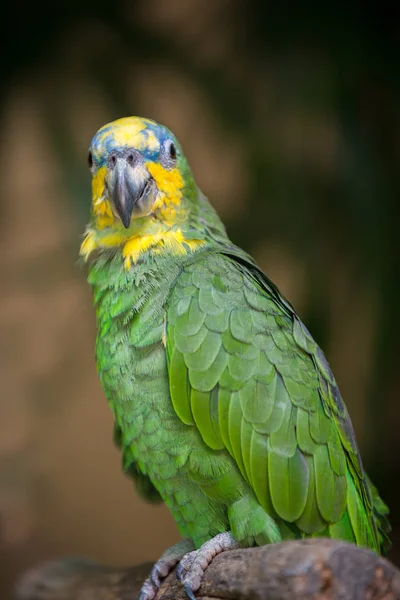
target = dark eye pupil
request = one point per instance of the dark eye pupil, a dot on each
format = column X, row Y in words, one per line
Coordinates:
column 90, row 160
column 172, row 151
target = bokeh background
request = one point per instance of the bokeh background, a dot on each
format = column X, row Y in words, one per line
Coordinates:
column 290, row 119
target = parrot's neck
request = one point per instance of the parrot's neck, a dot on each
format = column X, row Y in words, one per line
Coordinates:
column 153, row 236
column 189, row 231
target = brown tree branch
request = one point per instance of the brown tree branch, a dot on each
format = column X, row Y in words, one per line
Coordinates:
column 313, row 569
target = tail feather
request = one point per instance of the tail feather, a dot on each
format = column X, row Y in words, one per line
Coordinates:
column 361, row 517
column 380, row 513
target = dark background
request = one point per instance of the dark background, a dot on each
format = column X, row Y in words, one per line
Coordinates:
column 290, row 120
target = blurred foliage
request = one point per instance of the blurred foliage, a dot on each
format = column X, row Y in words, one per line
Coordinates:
column 309, row 95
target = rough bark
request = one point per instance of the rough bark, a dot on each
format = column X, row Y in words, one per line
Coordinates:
column 313, row 569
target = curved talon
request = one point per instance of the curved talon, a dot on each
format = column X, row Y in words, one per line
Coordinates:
column 179, row 572
column 189, row 591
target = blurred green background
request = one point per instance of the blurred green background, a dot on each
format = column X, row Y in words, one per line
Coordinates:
column 290, row 119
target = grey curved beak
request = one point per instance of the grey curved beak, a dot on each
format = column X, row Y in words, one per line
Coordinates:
column 131, row 189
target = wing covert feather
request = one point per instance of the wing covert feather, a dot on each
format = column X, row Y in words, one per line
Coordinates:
column 246, row 372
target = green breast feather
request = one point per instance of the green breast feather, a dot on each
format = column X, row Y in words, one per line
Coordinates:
column 247, row 374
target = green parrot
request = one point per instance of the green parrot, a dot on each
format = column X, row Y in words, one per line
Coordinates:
column 225, row 407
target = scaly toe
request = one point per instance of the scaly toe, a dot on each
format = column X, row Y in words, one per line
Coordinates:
column 159, row 572
column 191, row 568
column 163, row 567
column 185, row 565
column 192, row 577
column 155, row 578
column 148, row 591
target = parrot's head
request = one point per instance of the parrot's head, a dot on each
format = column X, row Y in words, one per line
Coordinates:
column 137, row 168
column 144, row 197
column 142, row 186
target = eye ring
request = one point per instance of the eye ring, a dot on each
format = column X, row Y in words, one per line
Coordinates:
column 90, row 160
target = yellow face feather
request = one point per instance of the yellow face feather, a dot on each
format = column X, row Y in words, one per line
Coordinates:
column 161, row 230
column 169, row 184
column 100, row 206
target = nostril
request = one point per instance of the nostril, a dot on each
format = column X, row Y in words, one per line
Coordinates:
column 130, row 156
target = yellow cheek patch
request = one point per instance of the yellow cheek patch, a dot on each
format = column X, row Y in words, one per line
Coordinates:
column 98, row 184
column 100, row 205
column 169, row 183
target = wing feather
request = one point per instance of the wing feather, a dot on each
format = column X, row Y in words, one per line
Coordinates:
column 247, row 373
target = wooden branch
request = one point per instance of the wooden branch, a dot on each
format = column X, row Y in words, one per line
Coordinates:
column 312, row 569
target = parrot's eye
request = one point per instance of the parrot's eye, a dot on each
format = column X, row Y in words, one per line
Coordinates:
column 172, row 151
column 90, row 160
column 168, row 154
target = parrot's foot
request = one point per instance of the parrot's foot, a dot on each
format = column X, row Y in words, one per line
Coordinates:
column 163, row 567
column 191, row 568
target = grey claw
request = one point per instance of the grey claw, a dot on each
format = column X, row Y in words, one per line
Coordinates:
column 180, row 572
column 189, row 592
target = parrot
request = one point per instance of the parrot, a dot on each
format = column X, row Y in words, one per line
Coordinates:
column 225, row 407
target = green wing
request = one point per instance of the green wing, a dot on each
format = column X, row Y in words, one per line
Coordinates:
column 246, row 372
